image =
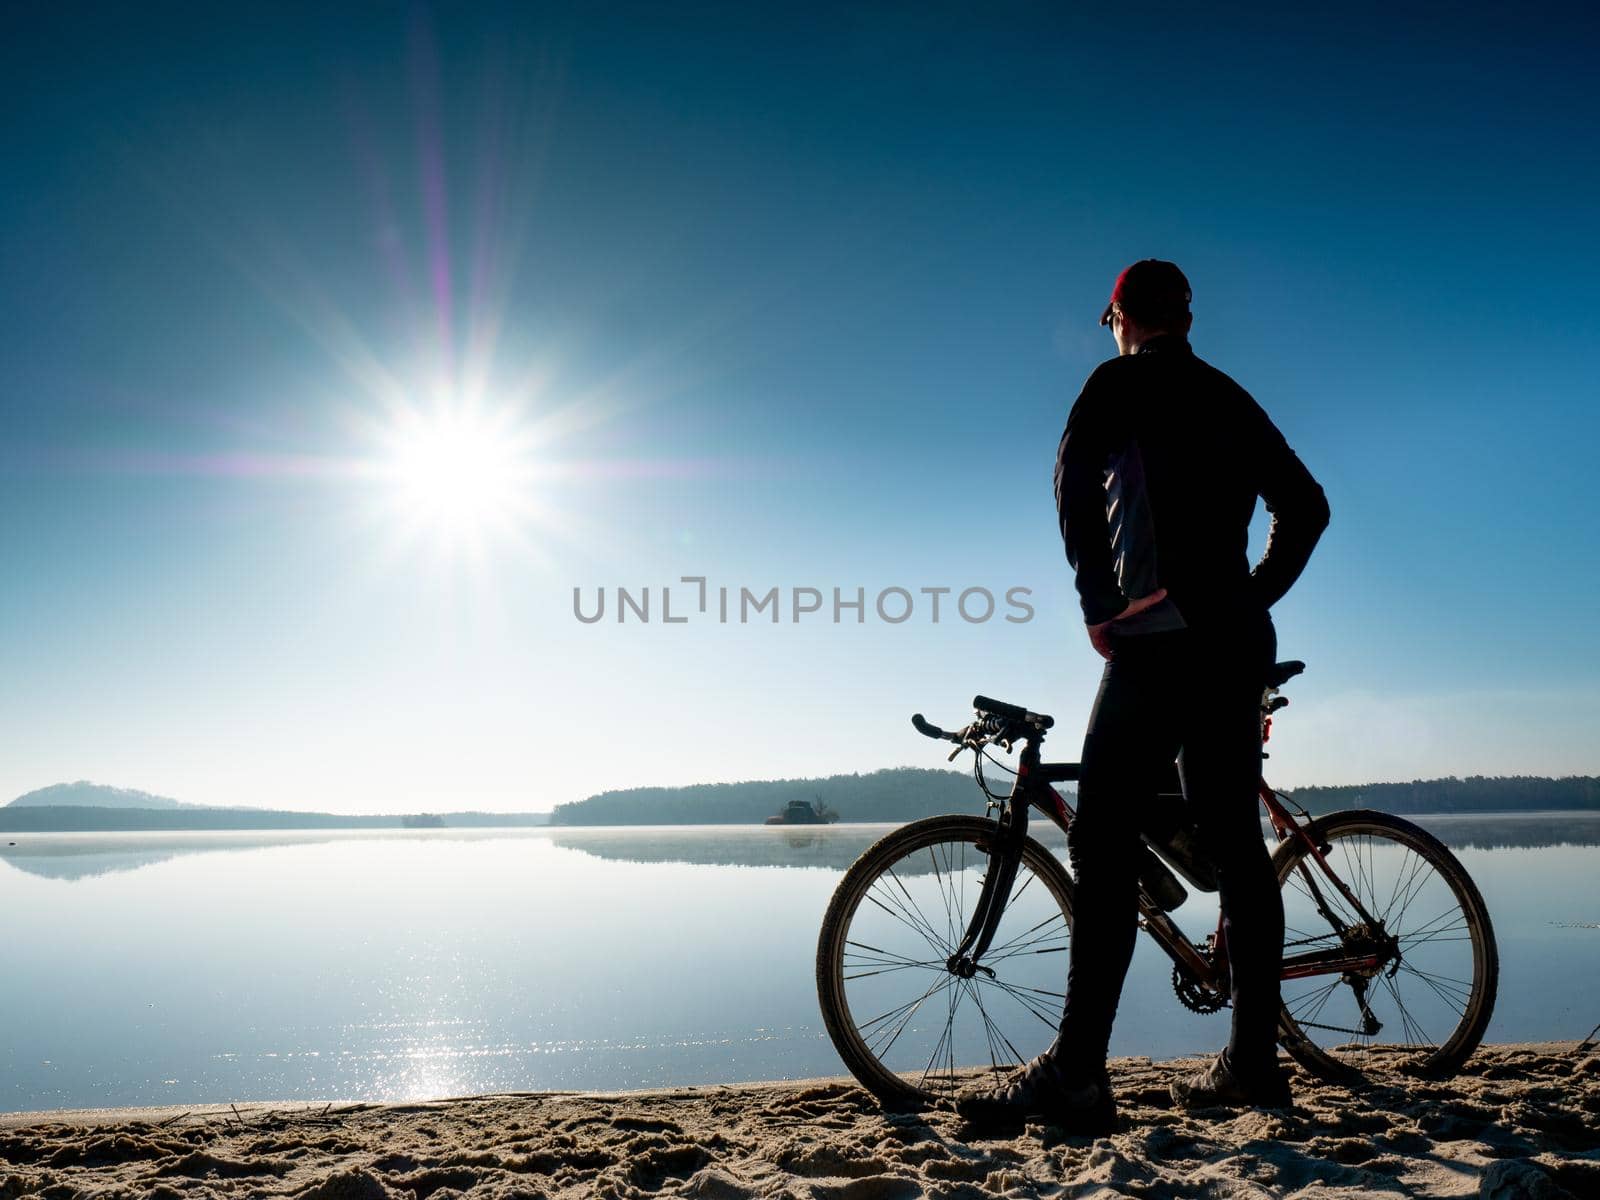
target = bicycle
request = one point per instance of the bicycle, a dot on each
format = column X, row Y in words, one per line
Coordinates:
column 919, row 989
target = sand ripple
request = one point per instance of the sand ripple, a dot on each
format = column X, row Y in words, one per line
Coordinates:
column 1521, row 1123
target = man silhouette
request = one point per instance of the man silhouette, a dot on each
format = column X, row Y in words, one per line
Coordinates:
column 1156, row 479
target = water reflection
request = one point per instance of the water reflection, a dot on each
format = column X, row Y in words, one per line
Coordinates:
column 1498, row 831
column 829, row 847
column 837, row 846
column 76, row 856
column 390, row 964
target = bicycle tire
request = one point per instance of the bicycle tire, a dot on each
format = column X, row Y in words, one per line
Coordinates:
column 1395, row 848
column 875, row 1052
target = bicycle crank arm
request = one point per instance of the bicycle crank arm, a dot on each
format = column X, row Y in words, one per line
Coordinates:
column 1179, row 949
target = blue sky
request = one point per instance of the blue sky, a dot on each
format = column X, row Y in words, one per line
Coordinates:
column 780, row 297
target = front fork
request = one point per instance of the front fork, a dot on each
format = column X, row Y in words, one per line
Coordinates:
column 1005, row 856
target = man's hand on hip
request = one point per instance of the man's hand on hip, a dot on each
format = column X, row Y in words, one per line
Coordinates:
column 1099, row 634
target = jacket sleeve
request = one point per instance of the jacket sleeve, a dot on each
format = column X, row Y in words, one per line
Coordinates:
column 1298, row 508
column 1081, row 507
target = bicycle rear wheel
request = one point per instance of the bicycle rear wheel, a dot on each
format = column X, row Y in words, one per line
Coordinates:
column 1424, row 1006
column 909, row 1028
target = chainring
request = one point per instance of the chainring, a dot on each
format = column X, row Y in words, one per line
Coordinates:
column 1196, row 996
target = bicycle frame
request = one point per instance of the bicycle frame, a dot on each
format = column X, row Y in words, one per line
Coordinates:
column 1032, row 790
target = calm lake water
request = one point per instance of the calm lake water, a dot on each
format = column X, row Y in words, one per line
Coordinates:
column 202, row 967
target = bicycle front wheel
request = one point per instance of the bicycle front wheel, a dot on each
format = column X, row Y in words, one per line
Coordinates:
column 908, row 1027
column 1425, row 990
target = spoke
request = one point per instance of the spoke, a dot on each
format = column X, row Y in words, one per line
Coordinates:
column 1363, row 877
column 1372, row 847
column 1305, row 1000
column 1335, row 1029
column 1321, row 1004
column 1053, row 944
column 1428, row 927
column 1452, row 991
column 1419, row 1036
column 887, row 965
column 1025, row 997
column 917, row 908
column 1043, row 948
column 1006, row 949
column 997, row 1034
column 949, row 920
column 945, row 1038
column 891, row 1014
column 1308, row 939
column 1411, row 892
column 1394, row 891
column 887, row 956
column 903, row 915
column 955, row 1002
column 1456, row 933
column 1455, row 1003
column 900, row 916
column 1296, row 880
column 961, row 900
column 897, row 967
column 988, row 1028
column 1402, row 886
column 1016, row 895
column 957, row 913
column 910, row 1010
column 1331, row 898
column 1358, row 866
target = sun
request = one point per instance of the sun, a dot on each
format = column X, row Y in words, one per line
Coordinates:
column 459, row 473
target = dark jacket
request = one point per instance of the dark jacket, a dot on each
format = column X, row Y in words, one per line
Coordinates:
column 1156, row 480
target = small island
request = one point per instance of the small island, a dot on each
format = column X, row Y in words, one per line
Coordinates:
column 804, row 812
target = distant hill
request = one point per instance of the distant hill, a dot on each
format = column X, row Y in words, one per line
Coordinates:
column 80, row 818
column 1474, row 794
column 84, row 794
column 893, row 794
column 906, row 793
column 94, row 807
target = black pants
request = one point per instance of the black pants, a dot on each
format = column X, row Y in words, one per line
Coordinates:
column 1194, row 696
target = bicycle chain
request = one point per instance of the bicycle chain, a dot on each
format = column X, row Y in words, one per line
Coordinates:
column 1331, row 1028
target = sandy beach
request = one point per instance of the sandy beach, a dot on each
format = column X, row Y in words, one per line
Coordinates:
column 1520, row 1121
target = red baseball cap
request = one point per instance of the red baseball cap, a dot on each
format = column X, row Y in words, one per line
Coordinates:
column 1151, row 285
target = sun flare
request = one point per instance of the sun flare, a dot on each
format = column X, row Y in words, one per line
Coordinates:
column 458, row 473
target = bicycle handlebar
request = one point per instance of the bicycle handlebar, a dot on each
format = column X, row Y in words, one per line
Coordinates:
column 997, row 720
column 1011, row 712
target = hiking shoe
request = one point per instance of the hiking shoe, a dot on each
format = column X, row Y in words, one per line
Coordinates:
column 1217, row 1086
column 1042, row 1091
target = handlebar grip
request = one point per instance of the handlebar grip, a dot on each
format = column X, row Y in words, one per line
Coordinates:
column 999, row 708
column 926, row 728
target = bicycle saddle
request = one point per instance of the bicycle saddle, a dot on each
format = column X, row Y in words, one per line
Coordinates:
column 1282, row 672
